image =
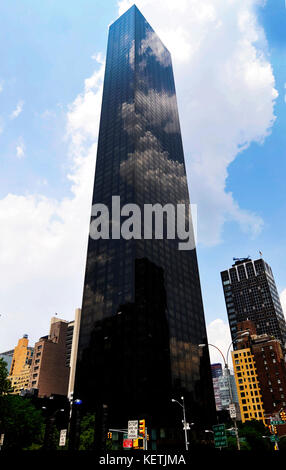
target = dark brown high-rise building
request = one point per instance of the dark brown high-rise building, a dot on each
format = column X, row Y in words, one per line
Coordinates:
column 271, row 369
column 49, row 370
column 270, row 366
column 250, row 294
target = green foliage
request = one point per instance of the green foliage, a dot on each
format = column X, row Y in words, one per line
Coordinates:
column 21, row 422
column 5, row 384
column 232, row 444
column 108, row 445
column 87, row 432
column 253, row 431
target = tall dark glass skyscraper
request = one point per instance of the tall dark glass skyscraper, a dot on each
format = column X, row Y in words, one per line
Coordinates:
column 251, row 294
column 142, row 312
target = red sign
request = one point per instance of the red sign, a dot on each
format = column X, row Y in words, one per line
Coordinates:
column 127, row 443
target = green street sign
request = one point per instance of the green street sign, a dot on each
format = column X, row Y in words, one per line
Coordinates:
column 218, row 428
column 221, row 442
column 220, row 439
column 219, row 434
column 274, row 438
column 275, row 423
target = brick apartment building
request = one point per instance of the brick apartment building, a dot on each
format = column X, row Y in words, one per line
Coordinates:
column 50, row 369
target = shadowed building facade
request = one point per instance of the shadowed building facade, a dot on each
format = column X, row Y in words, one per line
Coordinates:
column 142, row 312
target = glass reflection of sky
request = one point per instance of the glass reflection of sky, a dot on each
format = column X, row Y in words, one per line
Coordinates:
column 140, row 157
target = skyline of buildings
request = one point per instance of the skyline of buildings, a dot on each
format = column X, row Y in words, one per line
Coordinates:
column 151, row 306
column 48, row 368
column 258, row 384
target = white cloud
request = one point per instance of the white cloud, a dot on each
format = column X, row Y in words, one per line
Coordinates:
column 226, row 92
column 17, row 111
column 20, row 150
column 283, row 301
column 43, row 241
column 98, row 57
column 219, row 335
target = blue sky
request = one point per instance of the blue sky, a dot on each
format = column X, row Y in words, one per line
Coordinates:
column 50, row 82
column 256, row 181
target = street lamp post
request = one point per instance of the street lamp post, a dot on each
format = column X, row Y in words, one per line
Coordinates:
column 186, row 425
column 228, row 380
column 73, row 425
column 50, row 420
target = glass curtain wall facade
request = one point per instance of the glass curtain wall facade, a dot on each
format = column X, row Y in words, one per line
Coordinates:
column 250, row 293
column 142, row 312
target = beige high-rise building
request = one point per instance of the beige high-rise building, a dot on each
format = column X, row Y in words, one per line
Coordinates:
column 73, row 351
column 21, row 365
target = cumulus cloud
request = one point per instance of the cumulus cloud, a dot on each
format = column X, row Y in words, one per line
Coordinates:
column 219, row 336
column 43, row 240
column 20, row 150
column 283, row 301
column 226, row 94
column 17, row 111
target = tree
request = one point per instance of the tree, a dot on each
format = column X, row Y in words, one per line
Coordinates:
column 87, row 432
column 232, row 444
column 21, row 422
column 253, row 431
column 5, row 384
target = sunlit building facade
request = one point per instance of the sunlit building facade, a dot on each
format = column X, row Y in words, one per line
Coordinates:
column 19, row 374
column 247, row 384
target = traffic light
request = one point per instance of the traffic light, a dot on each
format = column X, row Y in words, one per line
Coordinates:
column 275, row 429
column 142, row 427
column 109, row 435
column 283, row 415
column 138, row 443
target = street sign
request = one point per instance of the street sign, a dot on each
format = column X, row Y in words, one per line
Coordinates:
column 274, row 438
column 220, row 439
column 127, row 443
column 220, row 442
column 232, row 410
column 63, row 437
column 218, row 427
column 132, row 429
column 275, row 423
